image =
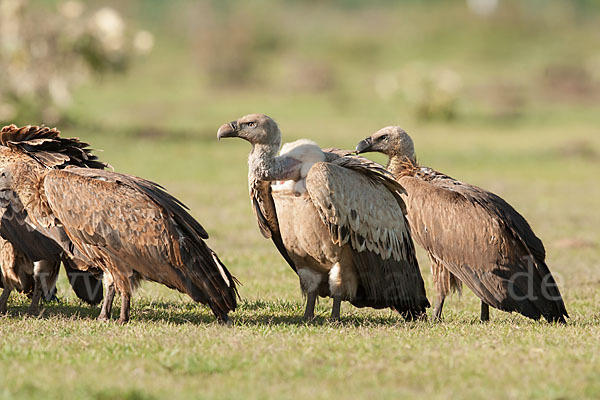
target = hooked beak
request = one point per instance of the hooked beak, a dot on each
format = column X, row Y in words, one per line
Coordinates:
column 364, row 145
column 228, row 130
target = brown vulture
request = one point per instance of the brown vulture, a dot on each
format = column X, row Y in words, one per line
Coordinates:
column 130, row 227
column 339, row 223
column 43, row 148
column 471, row 235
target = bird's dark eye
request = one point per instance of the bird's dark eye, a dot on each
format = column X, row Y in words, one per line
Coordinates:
column 251, row 124
column 384, row 137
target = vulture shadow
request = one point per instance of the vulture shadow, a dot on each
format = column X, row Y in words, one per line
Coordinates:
column 320, row 320
column 249, row 313
column 52, row 309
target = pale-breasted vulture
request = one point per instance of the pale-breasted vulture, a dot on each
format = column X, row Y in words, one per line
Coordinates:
column 130, row 227
column 471, row 235
column 43, row 148
column 340, row 224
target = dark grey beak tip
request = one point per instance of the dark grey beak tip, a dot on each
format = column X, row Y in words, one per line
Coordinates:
column 228, row 130
column 363, row 146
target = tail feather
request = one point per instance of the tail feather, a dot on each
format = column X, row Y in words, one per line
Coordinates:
column 206, row 279
column 390, row 283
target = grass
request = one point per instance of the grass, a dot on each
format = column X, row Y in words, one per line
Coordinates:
column 160, row 122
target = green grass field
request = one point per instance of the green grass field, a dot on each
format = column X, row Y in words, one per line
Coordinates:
column 540, row 152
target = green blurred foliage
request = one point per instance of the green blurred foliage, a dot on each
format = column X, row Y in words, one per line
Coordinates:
column 435, row 60
column 45, row 52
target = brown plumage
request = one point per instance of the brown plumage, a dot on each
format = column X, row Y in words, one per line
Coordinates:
column 472, row 236
column 342, row 230
column 43, row 148
column 18, row 272
column 128, row 226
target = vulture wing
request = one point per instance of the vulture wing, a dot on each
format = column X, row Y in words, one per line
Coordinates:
column 361, row 208
column 46, row 146
column 264, row 209
column 134, row 222
column 484, row 241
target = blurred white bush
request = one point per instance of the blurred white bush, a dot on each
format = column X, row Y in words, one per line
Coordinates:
column 45, row 55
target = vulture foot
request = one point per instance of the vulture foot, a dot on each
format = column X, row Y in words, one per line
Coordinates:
column 103, row 317
column 485, row 312
column 224, row 320
column 335, row 310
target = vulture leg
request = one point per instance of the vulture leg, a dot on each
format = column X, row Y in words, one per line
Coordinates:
column 37, row 295
column 437, row 312
column 45, row 273
column 224, row 319
column 4, row 300
column 107, row 304
column 125, row 307
column 442, row 280
column 485, row 312
column 335, row 310
column 311, row 299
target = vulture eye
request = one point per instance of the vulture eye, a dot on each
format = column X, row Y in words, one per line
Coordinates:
column 251, row 124
column 384, row 137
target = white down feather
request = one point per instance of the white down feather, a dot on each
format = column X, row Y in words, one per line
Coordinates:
column 308, row 153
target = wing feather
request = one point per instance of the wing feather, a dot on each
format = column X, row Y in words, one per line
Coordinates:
column 484, row 242
column 266, row 215
column 361, row 208
column 133, row 222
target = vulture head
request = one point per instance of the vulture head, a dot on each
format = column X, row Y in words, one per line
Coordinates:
column 391, row 141
column 255, row 128
column 6, row 179
column 6, row 186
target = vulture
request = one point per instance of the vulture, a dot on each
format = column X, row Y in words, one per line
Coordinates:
column 32, row 251
column 130, row 227
column 339, row 223
column 17, row 273
column 472, row 236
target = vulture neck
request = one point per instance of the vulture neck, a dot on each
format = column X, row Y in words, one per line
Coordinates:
column 401, row 166
column 263, row 163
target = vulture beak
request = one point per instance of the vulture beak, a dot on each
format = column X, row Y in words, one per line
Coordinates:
column 228, row 130
column 364, row 145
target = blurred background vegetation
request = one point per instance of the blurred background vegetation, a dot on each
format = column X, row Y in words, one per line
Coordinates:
column 479, row 61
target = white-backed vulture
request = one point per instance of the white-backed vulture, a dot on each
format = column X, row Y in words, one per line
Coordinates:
column 130, row 227
column 471, row 235
column 44, row 148
column 345, row 235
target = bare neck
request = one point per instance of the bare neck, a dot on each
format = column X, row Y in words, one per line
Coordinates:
column 401, row 166
column 263, row 162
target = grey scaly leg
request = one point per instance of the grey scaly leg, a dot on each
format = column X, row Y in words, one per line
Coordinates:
column 485, row 312
column 335, row 310
column 311, row 299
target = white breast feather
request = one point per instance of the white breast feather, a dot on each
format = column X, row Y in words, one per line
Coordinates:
column 305, row 151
